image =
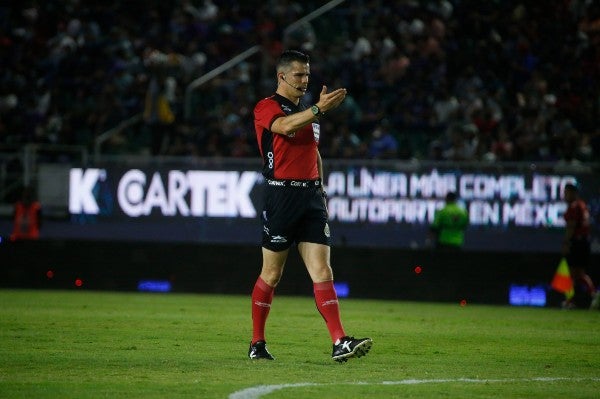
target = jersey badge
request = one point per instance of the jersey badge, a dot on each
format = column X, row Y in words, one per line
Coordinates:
column 316, row 131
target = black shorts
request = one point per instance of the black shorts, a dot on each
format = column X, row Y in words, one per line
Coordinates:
column 579, row 253
column 293, row 214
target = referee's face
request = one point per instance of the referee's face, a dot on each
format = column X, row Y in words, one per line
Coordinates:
column 293, row 83
column 569, row 195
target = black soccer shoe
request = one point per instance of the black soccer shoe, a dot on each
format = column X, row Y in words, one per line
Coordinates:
column 350, row 347
column 259, row 351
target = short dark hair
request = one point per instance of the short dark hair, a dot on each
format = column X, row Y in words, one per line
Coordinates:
column 450, row 196
column 289, row 56
column 571, row 187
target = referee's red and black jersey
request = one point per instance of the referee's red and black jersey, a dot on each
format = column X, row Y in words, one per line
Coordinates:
column 285, row 157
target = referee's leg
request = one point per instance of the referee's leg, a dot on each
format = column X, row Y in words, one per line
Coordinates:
column 316, row 258
column 262, row 297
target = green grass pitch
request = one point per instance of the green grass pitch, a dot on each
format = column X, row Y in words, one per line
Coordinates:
column 87, row 344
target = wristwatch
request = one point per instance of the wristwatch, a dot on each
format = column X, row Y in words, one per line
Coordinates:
column 315, row 110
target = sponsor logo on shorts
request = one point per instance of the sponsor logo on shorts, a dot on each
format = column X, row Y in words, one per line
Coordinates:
column 278, row 239
column 326, row 230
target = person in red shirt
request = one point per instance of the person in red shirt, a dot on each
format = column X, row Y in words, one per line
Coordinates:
column 576, row 242
column 27, row 217
column 295, row 211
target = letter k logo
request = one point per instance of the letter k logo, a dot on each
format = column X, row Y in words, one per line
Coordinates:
column 81, row 195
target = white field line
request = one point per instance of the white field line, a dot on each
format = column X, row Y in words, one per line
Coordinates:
column 260, row 390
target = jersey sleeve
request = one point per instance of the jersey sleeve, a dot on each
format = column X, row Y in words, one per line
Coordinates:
column 265, row 112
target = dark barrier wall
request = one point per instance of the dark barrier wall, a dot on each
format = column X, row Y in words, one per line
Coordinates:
column 476, row 277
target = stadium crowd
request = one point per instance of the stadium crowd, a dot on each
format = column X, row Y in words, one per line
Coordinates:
column 440, row 80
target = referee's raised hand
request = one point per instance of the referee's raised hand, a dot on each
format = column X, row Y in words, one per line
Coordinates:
column 329, row 101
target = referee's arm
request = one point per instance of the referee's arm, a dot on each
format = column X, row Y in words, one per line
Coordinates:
column 290, row 124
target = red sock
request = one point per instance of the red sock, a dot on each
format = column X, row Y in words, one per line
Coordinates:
column 262, row 296
column 327, row 304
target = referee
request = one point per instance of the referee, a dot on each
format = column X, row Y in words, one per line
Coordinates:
column 295, row 210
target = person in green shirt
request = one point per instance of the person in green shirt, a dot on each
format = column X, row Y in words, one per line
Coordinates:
column 449, row 224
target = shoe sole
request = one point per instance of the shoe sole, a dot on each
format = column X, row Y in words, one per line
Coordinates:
column 359, row 351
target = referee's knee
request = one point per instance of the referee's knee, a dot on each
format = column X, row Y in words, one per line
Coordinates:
column 321, row 275
column 271, row 277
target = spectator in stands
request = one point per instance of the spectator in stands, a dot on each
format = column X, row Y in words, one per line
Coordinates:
column 502, row 147
column 383, row 144
column 445, row 109
column 346, row 144
column 74, row 70
column 461, row 147
column 569, row 161
column 159, row 114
